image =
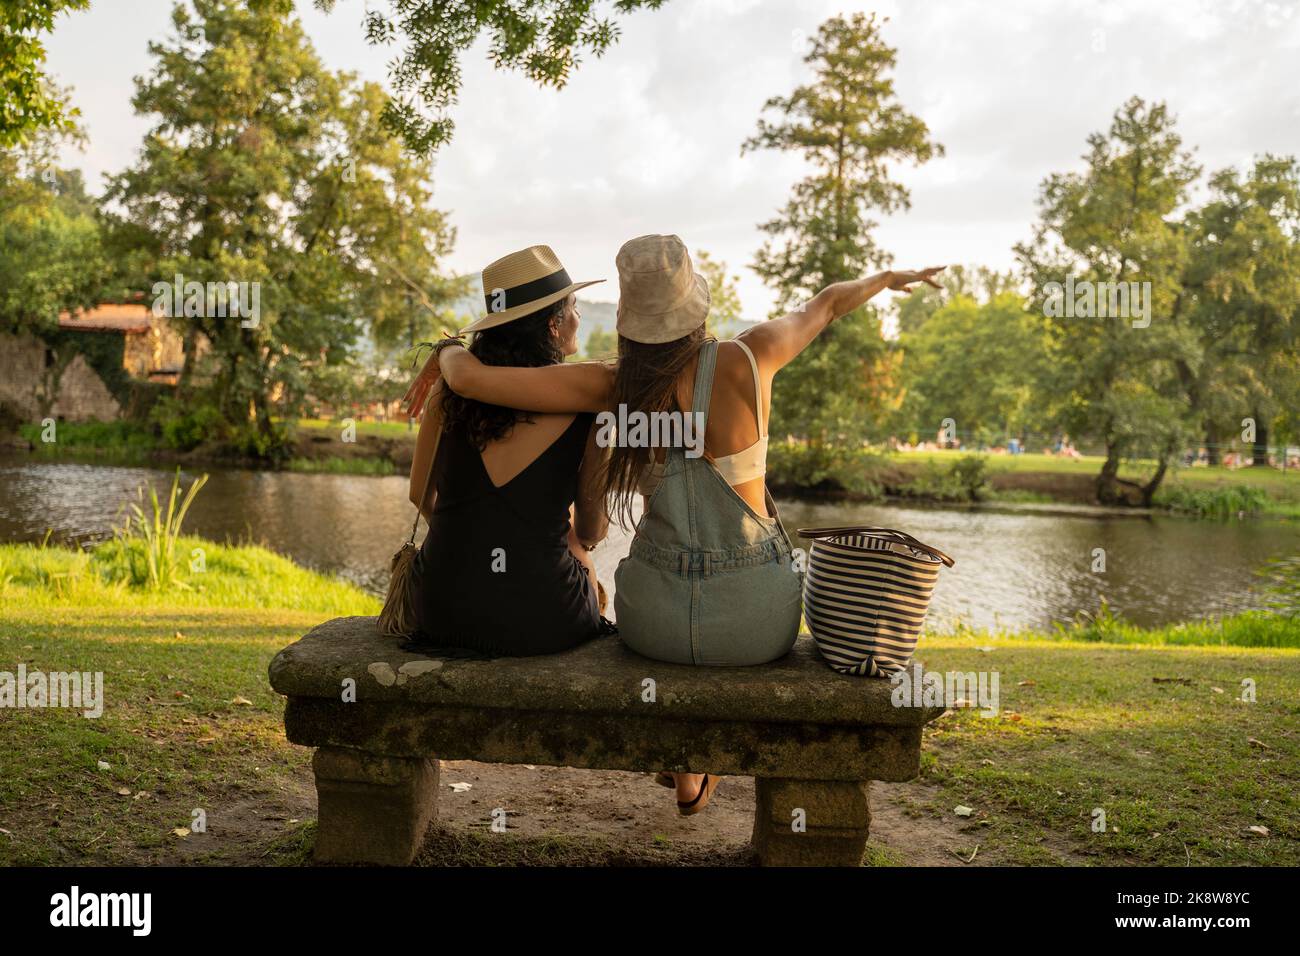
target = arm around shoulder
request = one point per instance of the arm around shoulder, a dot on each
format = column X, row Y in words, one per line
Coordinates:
column 566, row 387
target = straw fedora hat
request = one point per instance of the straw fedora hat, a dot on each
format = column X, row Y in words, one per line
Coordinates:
column 521, row 283
column 660, row 295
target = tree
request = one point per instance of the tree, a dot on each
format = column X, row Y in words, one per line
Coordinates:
column 978, row 363
column 1111, row 375
column 725, row 316
column 51, row 251
column 29, row 101
column 1243, row 279
column 979, row 283
column 545, row 39
column 601, row 345
column 52, row 259
column 264, row 168
column 849, row 127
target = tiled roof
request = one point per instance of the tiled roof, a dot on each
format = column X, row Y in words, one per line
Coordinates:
column 109, row 317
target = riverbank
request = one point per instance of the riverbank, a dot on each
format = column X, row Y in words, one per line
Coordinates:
column 946, row 477
column 1147, row 725
column 315, row 446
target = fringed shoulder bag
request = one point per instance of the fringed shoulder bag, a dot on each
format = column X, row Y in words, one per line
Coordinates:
column 398, row 618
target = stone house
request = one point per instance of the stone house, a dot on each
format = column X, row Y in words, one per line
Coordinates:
column 70, row 378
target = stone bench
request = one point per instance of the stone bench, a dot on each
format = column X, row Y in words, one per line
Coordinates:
column 810, row 737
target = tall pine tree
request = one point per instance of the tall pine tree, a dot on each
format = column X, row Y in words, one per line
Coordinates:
column 851, row 130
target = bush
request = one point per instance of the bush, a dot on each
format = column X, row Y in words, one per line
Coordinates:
column 966, row 479
column 184, row 425
column 147, row 542
column 1225, row 502
column 824, row 468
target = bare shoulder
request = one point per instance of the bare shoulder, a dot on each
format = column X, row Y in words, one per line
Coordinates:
column 765, row 341
column 731, row 358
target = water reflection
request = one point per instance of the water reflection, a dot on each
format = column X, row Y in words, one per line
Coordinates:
column 1013, row 569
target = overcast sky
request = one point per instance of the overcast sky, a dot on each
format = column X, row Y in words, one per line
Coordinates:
column 648, row 138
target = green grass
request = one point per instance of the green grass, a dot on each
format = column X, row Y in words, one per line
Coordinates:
column 1180, row 767
column 1018, row 496
column 126, row 442
column 101, row 436
column 189, row 721
column 379, row 429
column 118, row 442
column 1283, row 488
column 1248, row 629
column 1103, row 714
column 239, row 577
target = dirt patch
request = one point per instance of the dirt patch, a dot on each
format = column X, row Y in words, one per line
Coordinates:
column 324, row 444
column 1073, row 489
column 261, row 829
column 562, row 816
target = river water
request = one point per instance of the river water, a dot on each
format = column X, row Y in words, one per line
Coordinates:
column 1015, row 568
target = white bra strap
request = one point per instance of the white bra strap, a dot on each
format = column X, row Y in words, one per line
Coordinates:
column 758, row 388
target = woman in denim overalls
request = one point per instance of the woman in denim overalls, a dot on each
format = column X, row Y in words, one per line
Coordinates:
column 709, row 579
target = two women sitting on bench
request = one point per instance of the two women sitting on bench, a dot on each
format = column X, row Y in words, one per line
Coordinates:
column 709, row 578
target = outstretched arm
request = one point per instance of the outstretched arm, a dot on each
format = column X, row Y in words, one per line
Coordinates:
column 776, row 343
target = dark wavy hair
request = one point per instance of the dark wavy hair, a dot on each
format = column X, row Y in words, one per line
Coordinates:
column 526, row 341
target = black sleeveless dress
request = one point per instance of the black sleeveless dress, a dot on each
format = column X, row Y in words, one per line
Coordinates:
column 495, row 574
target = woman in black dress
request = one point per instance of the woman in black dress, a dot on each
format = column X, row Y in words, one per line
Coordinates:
column 514, row 504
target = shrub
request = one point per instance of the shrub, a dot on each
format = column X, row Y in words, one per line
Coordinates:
column 183, row 425
column 824, row 468
column 1225, row 502
column 965, row 479
column 148, row 538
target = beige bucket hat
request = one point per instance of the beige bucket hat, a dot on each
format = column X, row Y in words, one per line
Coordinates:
column 521, row 283
column 660, row 295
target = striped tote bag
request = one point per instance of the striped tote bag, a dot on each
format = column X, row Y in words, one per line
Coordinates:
column 866, row 594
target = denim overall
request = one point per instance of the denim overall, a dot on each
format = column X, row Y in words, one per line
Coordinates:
column 707, row 580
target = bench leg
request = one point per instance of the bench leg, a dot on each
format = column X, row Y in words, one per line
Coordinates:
column 830, row 830
column 372, row 809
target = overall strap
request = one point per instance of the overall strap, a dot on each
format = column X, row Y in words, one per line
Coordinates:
column 704, row 378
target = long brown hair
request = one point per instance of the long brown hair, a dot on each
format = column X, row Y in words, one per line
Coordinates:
column 646, row 381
